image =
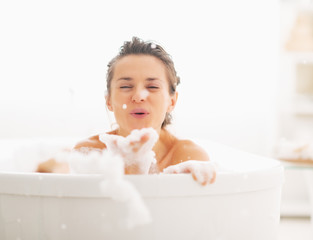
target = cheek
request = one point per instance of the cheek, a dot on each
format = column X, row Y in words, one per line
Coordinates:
column 118, row 100
column 164, row 102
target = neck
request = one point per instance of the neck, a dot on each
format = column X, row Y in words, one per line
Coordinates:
column 164, row 143
column 125, row 133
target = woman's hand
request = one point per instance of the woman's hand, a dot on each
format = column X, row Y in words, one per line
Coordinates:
column 202, row 171
column 52, row 166
column 135, row 149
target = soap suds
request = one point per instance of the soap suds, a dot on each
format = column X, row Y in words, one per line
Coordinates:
column 135, row 149
column 144, row 94
column 202, row 171
column 111, row 166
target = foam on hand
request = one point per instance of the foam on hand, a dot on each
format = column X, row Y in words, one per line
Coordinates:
column 135, row 149
column 202, row 171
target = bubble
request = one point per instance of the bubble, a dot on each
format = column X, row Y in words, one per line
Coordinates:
column 153, row 45
column 144, row 94
column 124, row 106
column 63, row 226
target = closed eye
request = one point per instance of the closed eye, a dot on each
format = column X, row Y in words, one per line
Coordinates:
column 153, row 87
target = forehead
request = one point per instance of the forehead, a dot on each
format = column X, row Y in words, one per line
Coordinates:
column 140, row 66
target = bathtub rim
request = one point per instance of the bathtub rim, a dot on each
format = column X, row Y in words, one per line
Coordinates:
column 154, row 185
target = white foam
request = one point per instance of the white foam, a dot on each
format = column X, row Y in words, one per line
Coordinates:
column 144, row 94
column 121, row 152
column 123, row 191
column 132, row 150
column 124, row 106
column 27, row 157
column 202, row 171
column 111, row 166
column 110, row 163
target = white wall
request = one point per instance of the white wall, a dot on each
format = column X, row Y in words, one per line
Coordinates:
column 53, row 57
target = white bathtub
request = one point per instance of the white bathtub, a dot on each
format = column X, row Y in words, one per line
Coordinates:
column 243, row 203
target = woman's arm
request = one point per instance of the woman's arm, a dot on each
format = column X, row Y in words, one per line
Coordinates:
column 53, row 166
column 91, row 143
column 185, row 150
column 188, row 157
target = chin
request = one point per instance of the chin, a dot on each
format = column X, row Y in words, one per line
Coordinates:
column 140, row 126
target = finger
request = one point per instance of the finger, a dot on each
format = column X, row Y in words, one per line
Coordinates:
column 137, row 145
column 213, row 178
column 109, row 140
column 205, row 178
column 209, row 175
column 113, row 145
column 144, row 138
column 194, row 176
column 200, row 177
column 184, row 167
column 170, row 170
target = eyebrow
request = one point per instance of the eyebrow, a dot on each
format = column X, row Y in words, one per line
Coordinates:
column 129, row 79
column 152, row 79
column 125, row 78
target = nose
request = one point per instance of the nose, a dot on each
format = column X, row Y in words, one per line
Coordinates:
column 140, row 95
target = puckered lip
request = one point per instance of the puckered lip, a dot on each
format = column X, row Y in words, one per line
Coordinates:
column 139, row 112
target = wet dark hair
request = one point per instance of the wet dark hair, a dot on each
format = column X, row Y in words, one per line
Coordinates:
column 139, row 47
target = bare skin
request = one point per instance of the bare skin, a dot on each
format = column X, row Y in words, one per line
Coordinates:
column 168, row 150
column 140, row 82
column 52, row 166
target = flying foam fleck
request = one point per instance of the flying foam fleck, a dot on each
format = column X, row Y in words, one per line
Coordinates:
column 144, row 94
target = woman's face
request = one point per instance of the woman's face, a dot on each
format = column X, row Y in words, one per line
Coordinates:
column 139, row 95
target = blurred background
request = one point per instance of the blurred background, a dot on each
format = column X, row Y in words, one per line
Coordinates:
column 53, row 57
column 246, row 71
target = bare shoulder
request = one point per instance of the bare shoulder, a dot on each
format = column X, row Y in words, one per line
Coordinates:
column 185, row 150
column 90, row 143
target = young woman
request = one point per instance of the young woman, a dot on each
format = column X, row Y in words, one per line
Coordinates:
column 141, row 92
